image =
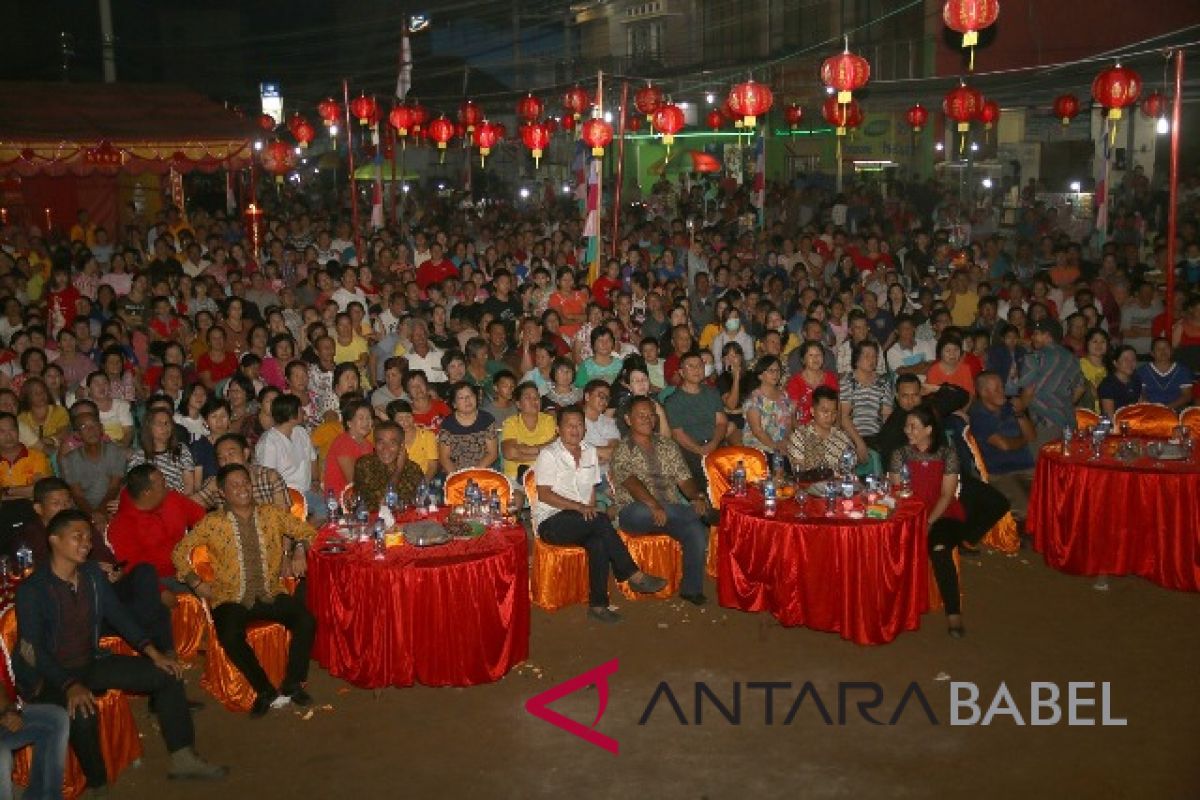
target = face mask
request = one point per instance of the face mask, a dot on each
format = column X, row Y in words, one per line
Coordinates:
column 732, row 325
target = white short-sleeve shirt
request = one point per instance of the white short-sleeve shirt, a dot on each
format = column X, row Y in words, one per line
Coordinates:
column 291, row 458
column 556, row 468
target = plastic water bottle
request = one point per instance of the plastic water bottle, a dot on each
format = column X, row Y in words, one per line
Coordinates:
column 905, row 480
column 497, row 513
column 378, row 540
column 831, row 493
column 849, row 460
column 471, row 499
column 1068, row 438
column 769, row 499
column 739, row 478
column 432, row 497
column 332, row 505
column 391, row 499
column 24, row 561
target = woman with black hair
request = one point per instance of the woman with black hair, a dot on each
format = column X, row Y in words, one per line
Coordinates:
column 933, row 469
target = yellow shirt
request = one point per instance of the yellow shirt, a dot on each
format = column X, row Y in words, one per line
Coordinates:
column 357, row 349
column 708, row 334
column 25, row 471
column 424, row 449
column 966, row 308
column 1093, row 374
column 515, row 429
column 57, row 421
column 324, row 434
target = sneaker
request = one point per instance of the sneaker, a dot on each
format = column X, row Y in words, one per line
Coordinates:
column 647, row 584
column 300, row 698
column 262, row 704
column 603, row 614
column 280, row 701
column 186, row 765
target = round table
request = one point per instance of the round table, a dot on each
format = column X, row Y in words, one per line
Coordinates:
column 1113, row 517
column 450, row 615
column 866, row 579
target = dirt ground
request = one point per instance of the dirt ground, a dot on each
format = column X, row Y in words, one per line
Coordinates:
column 1025, row 623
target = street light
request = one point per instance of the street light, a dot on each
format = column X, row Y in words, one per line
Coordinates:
column 709, row 98
column 524, row 193
column 1076, row 186
column 987, row 183
column 333, row 130
column 939, row 147
column 418, row 23
column 1162, row 127
column 258, row 145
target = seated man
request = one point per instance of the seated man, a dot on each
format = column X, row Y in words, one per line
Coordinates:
column 150, row 521
column 20, row 467
column 94, row 470
column 246, row 546
column 45, row 727
column 1004, row 436
column 135, row 586
column 648, row 473
column 269, row 488
column 58, row 659
column 696, row 414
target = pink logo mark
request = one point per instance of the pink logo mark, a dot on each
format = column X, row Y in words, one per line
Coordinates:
column 538, row 705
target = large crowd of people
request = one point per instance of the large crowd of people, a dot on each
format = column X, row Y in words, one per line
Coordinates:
column 169, row 384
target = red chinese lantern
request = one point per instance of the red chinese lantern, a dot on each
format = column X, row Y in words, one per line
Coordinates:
column 668, row 121
column 729, row 112
column 962, row 104
column 568, row 123
column 1115, row 88
column 536, row 138
column 487, row 137
column 597, row 133
column 917, row 116
column 277, row 159
column 1066, row 108
column 441, row 130
column 304, row 132
column 329, row 110
column 715, row 119
column 364, row 108
column 529, row 108
column 470, row 115
column 551, row 125
column 842, row 116
column 752, row 99
column 460, row 131
column 401, row 118
column 792, row 115
column 577, row 101
column 989, row 112
column 633, row 124
column 846, row 72
column 266, row 122
column 969, row 17
column 420, row 115
column 1155, row 105
column 648, row 99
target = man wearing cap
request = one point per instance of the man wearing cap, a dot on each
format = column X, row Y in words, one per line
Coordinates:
column 1050, row 383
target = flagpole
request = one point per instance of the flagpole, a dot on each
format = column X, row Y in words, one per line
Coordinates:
column 598, row 166
column 392, row 134
column 616, row 224
column 358, row 251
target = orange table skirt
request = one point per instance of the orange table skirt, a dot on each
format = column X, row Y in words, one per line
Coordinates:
column 223, row 681
column 119, row 742
column 656, row 554
column 559, row 577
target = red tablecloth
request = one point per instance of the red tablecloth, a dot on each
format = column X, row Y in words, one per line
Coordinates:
column 867, row 580
column 451, row 615
column 1110, row 517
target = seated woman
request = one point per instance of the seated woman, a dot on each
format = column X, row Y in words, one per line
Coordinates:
column 350, row 446
column 388, row 466
column 734, row 384
column 950, row 366
column 1122, row 386
column 1165, row 380
column 467, row 438
column 815, row 449
column 565, row 513
column 933, row 469
column 525, row 433
column 419, row 443
column 634, row 381
column 866, row 399
column 562, row 391
column 769, row 412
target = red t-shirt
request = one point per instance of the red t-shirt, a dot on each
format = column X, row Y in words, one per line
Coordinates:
column 149, row 537
column 343, row 445
column 432, row 272
column 802, row 394
column 602, row 289
column 432, row 418
column 219, row 370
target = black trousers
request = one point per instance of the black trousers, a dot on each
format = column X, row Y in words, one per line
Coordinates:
column 985, row 506
column 231, row 621
column 944, row 536
column 128, row 674
column 139, row 592
column 604, row 548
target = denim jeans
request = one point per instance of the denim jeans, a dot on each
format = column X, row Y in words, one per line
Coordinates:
column 46, row 728
column 685, row 527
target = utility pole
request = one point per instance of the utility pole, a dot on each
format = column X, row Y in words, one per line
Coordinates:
column 108, row 42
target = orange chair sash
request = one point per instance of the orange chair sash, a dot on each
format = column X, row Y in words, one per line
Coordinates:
column 1004, row 536
column 488, row 479
column 1085, row 418
column 720, row 463
column 1191, row 418
column 559, row 577
column 1148, row 419
column 299, row 507
column 221, row 679
column 656, row 554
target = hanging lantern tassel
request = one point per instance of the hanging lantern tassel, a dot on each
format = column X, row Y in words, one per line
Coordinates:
column 537, row 158
column 1114, row 114
column 483, row 154
column 441, row 152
